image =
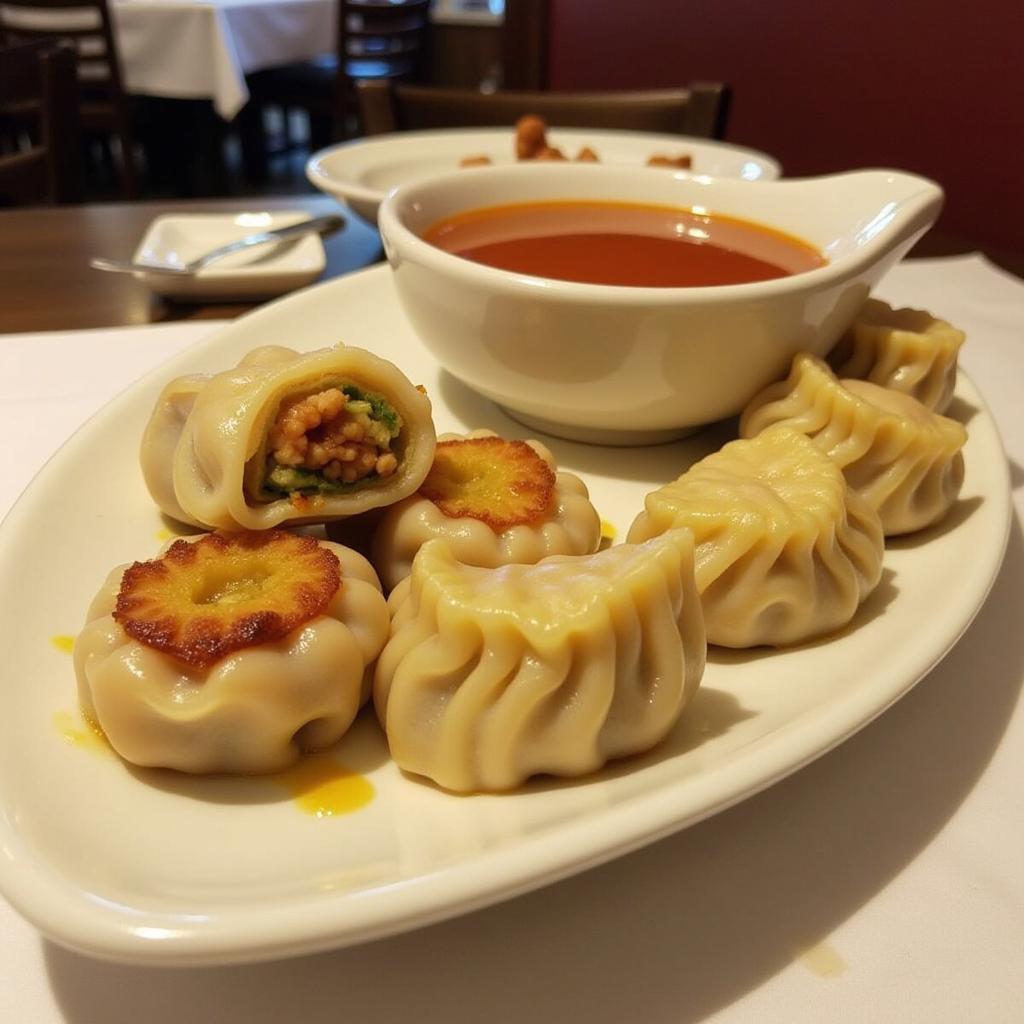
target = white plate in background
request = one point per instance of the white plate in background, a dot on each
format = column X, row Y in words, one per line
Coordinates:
column 154, row 867
column 362, row 172
column 264, row 271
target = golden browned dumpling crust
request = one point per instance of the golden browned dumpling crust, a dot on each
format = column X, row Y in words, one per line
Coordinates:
column 205, row 599
column 231, row 654
column 501, row 483
column 494, row 502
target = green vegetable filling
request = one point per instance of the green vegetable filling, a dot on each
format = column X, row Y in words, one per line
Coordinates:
column 380, row 410
column 288, row 480
column 385, row 423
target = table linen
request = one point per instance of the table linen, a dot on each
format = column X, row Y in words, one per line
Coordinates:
column 884, row 882
column 199, row 49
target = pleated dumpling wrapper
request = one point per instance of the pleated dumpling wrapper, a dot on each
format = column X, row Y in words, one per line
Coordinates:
column 907, row 350
column 287, row 438
column 784, row 550
column 495, row 502
column 231, row 653
column 905, row 460
column 494, row 675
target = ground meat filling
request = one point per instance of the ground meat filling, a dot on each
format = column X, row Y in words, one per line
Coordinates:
column 333, row 435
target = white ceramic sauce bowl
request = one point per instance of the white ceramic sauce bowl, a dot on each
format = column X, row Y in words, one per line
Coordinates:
column 629, row 365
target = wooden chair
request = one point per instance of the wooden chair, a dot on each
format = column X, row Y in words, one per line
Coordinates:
column 376, row 39
column 40, row 154
column 701, row 109
column 86, row 26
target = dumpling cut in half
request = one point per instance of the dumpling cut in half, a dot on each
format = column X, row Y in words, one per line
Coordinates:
column 784, row 550
column 494, row 675
column 905, row 460
column 285, row 437
column 907, row 350
column 231, row 653
column 495, row 502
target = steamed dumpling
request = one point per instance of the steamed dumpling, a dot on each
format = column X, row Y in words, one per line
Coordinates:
column 907, row 350
column 493, row 675
column 286, row 437
column 163, row 432
column 495, row 502
column 231, row 653
column 784, row 551
column 903, row 459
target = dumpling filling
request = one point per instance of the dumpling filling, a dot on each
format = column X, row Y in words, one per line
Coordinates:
column 331, row 441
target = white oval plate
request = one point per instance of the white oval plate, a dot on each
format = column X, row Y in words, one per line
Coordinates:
column 149, row 866
column 362, row 172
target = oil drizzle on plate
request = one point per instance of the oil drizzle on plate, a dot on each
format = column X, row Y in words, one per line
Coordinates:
column 823, row 960
column 320, row 785
column 80, row 732
column 608, row 533
column 324, row 787
column 64, row 642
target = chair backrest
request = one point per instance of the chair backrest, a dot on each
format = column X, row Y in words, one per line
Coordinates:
column 41, row 158
column 700, row 110
column 382, row 38
column 82, row 24
column 86, row 26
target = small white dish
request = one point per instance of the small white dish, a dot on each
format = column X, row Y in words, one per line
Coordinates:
column 362, row 172
column 261, row 272
column 156, row 867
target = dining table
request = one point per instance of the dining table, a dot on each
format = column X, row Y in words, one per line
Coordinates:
column 883, row 881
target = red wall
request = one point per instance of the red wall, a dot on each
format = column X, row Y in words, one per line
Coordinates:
column 826, row 85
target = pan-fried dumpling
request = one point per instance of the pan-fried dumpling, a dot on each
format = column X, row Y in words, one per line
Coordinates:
column 493, row 675
column 287, row 438
column 907, row 350
column 903, row 459
column 495, row 502
column 784, row 550
column 231, row 653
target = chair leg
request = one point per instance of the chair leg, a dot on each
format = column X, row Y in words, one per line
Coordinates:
column 213, row 169
column 287, row 139
column 252, row 137
column 129, row 166
column 321, row 130
column 107, row 164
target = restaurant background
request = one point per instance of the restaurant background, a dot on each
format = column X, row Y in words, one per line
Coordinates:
column 928, row 87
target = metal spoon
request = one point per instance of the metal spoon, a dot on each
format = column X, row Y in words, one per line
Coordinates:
column 320, row 225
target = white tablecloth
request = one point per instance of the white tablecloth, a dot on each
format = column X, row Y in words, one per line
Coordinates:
column 197, row 49
column 885, row 882
column 203, row 49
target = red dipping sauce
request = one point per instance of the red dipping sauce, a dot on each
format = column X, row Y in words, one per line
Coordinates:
column 628, row 244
